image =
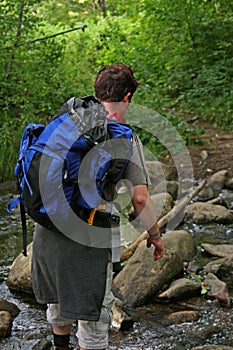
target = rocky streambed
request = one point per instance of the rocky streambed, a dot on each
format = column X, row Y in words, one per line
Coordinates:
column 183, row 301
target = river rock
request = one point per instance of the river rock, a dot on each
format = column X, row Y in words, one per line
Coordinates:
column 227, row 198
column 8, row 311
column 10, row 307
column 182, row 242
column 212, row 347
column 229, row 184
column 121, row 321
column 142, row 277
column 171, row 187
column 223, row 269
column 5, row 324
column 220, row 250
column 218, row 290
column 201, row 213
column 181, row 289
column 182, row 316
column 19, row 277
column 214, row 185
column 159, row 172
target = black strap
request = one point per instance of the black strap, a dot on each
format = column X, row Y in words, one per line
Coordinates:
column 24, row 227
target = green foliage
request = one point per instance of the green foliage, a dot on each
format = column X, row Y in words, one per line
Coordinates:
column 181, row 53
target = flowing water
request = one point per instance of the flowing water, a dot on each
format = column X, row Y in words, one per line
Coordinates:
column 149, row 331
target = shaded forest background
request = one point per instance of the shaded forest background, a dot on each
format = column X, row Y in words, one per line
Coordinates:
column 180, row 51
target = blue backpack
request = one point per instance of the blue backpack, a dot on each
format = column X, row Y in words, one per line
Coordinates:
column 66, row 165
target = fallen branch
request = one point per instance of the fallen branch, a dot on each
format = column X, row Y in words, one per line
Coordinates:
column 43, row 38
column 128, row 252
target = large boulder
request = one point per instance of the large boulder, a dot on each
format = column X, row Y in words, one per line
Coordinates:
column 202, row 213
column 182, row 242
column 142, row 277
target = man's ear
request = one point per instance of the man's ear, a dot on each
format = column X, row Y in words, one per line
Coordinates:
column 126, row 98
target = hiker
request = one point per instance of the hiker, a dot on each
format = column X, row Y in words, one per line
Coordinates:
column 73, row 279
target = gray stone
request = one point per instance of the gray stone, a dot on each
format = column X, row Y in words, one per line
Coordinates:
column 142, row 277
column 181, row 289
column 219, row 250
column 20, row 278
column 218, row 290
column 215, row 184
column 5, row 324
column 223, row 269
column 182, row 316
column 212, row 347
column 201, row 213
column 182, row 242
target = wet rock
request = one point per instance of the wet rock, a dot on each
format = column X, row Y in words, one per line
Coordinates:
column 5, row 324
column 213, row 347
column 159, row 172
column 229, row 184
column 171, row 187
column 19, row 277
column 223, row 269
column 220, row 250
column 227, row 198
column 10, row 307
column 182, row 316
column 43, row 344
column 218, row 290
column 201, row 213
column 182, row 242
column 142, row 277
column 121, row 320
column 214, row 185
column 181, row 289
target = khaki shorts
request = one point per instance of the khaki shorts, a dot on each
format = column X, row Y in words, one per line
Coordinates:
column 91, row 335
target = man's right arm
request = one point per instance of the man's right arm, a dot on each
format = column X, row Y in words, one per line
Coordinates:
column 144, row 208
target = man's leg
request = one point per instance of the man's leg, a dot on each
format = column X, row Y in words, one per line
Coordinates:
column 61, row 327
column 94, row 335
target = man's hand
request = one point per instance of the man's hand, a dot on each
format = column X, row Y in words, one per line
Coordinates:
column 159, row 246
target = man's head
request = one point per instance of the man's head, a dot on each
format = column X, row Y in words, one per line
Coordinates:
column 114, row 82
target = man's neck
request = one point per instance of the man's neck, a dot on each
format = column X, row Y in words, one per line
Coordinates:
column 118, row 108
column 117, row 117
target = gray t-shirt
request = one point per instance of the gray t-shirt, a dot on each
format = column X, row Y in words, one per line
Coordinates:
column 136, row 172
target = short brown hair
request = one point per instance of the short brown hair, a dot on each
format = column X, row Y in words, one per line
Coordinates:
column 113, row 82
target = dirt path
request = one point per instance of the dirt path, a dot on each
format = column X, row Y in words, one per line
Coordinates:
column 219, row 147
column 215, row 153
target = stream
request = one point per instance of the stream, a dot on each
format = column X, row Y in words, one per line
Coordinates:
column 149, row 331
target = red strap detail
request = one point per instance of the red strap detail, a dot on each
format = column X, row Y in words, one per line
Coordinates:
column 118, row 117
